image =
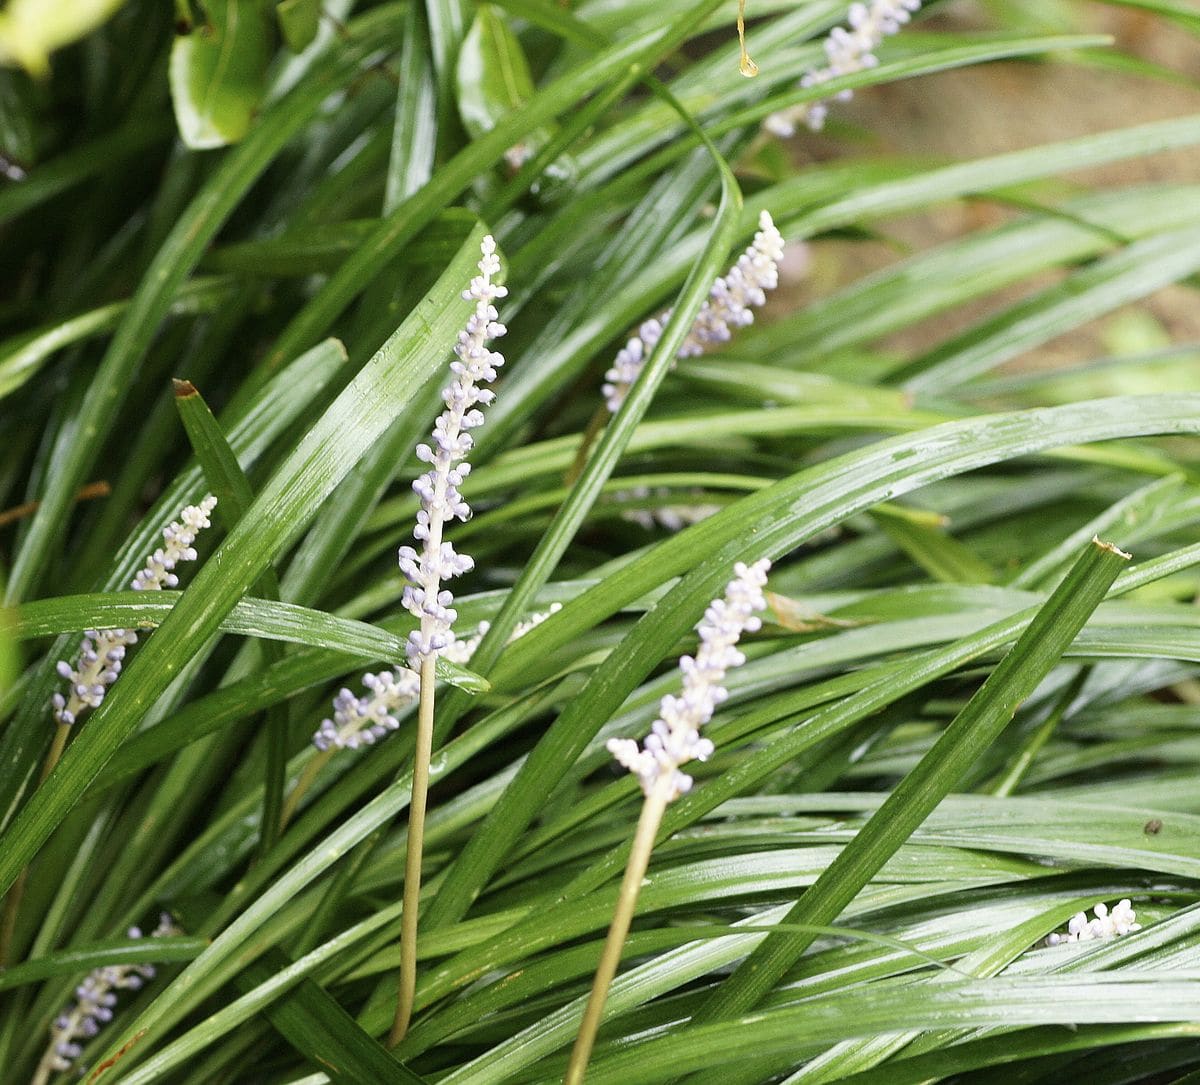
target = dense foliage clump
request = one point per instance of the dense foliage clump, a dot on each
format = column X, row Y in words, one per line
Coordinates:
column 902, row 571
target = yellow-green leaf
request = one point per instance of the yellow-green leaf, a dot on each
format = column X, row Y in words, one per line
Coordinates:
column 493, row 76
column 298, row 22
column 218, row 72
column 30, row 30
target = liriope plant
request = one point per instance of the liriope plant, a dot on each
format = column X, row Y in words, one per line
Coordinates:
column 948, row 804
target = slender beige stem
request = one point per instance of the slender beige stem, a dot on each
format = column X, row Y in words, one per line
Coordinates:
column 310, row 773
column 12, row 903
column 635, row 870
column 585, row 444
column 412, row 861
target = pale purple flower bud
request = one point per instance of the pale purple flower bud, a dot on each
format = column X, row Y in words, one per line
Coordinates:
column 847, row 51
column 441, row 501
column 674, row 737
column 729, row 305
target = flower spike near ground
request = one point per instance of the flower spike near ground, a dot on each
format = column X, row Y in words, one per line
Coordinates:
column 425, row 597
column 102, row 652
column 730, row 304
column 92, row 1009
column 674, row 740
column 1107, row 924
column 848, row 51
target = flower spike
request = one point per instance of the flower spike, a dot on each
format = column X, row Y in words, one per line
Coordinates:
column 438, row 490
column 425, row 597
column 847, row 51
column 730, row 304
column 674, row 739
column 1121, row 920
column 102, row 651
column 363, row 721
column 95, row 999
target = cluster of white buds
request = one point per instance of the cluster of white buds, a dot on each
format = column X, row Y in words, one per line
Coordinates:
column 461, row 651
column 363, row 721
column 95, row 998
column 729, row 305
column 178, row 539
column 674, row 739
column 848, row 51
column 1121, row 920
column 671, row 517
column 102, row 651
column 441, row 501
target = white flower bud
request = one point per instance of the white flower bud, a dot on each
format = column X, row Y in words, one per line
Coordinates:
column 729, row 305
column 847, row 52
column 674, row 737
column 441, row 501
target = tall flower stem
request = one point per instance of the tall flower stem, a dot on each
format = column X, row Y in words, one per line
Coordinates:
column 426, row 596
column 674, row 740
column 653, row 808
column 412, row 859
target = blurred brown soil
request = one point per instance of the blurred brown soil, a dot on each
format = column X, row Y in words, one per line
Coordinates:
column 994, row 108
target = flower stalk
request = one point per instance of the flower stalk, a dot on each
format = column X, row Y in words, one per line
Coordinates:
column 425, row 596
column 674, row 740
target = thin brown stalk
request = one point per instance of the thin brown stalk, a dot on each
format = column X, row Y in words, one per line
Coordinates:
column 585, row 444
column 89, row 492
